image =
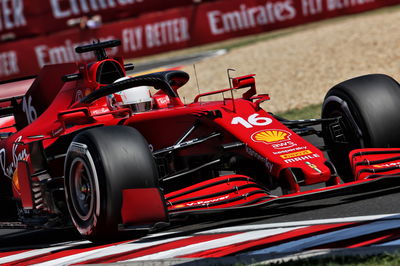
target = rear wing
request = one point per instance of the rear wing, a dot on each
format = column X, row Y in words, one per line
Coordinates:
column 18, row 79
column 11, row 94
column 15, row 88
column 7, row 115
column 7, row 105
column 12, row 91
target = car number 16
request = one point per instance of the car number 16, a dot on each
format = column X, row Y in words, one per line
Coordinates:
column 29, row 110
column 252, row 120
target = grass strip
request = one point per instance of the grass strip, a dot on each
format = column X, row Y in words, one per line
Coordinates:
column 311, row 111
column 382, row 260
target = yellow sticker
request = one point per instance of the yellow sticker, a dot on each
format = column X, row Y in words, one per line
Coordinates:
column 295, row 154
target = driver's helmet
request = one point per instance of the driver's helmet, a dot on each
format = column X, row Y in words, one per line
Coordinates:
column 138, row 99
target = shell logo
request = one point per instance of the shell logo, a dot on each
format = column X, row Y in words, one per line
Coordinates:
column 270, row 136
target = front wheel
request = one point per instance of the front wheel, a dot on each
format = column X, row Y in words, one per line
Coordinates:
column 368, row 107
column 100, row 164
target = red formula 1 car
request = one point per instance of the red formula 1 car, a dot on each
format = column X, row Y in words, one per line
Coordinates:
column 88, row 147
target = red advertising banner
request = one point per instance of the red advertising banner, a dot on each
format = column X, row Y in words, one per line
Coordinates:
column 22, row 18
column 174, row 29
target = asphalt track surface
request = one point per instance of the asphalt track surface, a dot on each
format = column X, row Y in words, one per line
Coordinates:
column 357, row 204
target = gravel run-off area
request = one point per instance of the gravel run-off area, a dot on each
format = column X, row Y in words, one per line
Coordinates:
column 298, row 68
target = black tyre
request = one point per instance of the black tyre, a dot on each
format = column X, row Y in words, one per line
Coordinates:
column 100, row 163
column 369, row 106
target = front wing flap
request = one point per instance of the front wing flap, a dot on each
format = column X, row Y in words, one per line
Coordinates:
column 217, row 193
column 187, row 202
column 375, row 162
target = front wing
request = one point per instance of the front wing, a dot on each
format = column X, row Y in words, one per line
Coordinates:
column 373, row 169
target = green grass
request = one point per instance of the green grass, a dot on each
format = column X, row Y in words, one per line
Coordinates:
column 383, row 259
column 311, row 111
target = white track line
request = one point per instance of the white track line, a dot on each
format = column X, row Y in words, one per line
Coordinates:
column 102, row 252
column 391, row 243
column 216, row 243
column 299, row 245
column 38, row 252
column 303, row 223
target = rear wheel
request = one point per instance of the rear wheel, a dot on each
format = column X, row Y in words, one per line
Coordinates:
column 100, row 164
column 369, row 111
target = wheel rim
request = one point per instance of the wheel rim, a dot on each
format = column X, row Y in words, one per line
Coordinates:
column 349, row 125
column 353, row 140
column 81, row 189
column 354, row 137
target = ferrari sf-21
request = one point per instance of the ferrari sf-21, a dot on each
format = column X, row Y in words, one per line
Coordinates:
column 89, row 146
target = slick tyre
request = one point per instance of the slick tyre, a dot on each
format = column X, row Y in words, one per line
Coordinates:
column 100, row 163
column 369, row 111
